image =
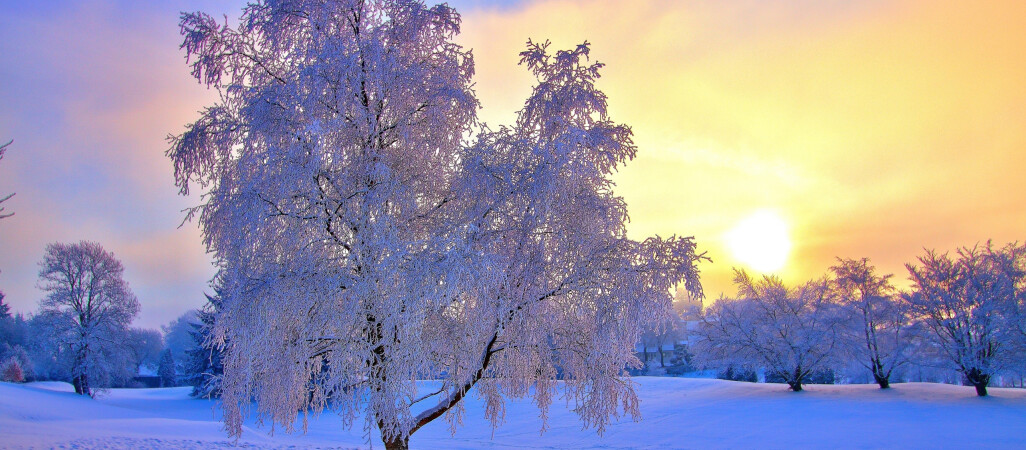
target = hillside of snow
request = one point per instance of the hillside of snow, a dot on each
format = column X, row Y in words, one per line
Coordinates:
column 677, row 413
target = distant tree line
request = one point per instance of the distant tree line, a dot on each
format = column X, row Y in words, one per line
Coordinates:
column 964, row 314
column 82, row 334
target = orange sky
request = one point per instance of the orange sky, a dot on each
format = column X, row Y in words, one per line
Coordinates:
column 874, row 128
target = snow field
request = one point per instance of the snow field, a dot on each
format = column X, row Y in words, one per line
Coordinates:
column 677, row 413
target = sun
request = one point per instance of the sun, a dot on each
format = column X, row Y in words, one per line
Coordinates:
column 760, row 241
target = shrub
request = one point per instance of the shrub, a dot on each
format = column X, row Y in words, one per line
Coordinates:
column 12, row 371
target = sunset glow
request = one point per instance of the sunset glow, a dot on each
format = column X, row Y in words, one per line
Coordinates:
column 856, row 118
column 760, row 241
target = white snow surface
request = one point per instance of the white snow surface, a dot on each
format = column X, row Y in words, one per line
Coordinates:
column 677, row 413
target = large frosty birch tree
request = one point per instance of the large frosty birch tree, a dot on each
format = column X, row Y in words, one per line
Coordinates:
column 364, row 244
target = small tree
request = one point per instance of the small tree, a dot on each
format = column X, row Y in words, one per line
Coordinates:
column 166, row 370
column 204, row 366
column 792, row 332
column 969, row 304
column 12, row 372
column 659, row 336
column 87, row 308
column 145, row 346
column 877, row 323
column 178, row 337
column 5, row 309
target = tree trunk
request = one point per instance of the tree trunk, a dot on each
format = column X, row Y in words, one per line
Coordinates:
column 883, row 382
column 81, row 383
column 78, row 375
column 397, row 443
column 796, row 381
column 981, row 389
column 879, row 375
column 661, row 363
column 979, row 380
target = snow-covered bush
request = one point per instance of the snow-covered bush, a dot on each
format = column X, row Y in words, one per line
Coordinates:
column 739, row 373
column 12, row 372
column 15, row 339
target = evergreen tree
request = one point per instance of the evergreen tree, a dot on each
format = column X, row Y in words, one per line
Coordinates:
column 204, row 360
column 5, row 309
column 166, row 371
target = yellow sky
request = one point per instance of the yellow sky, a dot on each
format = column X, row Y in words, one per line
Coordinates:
column 874, row 128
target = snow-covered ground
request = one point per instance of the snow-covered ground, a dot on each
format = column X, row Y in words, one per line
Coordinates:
column 677, row 413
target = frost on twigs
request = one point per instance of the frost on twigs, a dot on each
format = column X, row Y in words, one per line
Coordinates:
column 790, row 331
column 878, row 328
column 972, row 304
column 86, row 313
column 363, row 244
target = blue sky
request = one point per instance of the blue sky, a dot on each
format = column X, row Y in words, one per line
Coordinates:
column 88, row 92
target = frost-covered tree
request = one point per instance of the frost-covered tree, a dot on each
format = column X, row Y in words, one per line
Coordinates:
column 87, row 310
column 14, row 337
column 166, row 369
column 662, row 338
column 791, row 332
column 5, row 309
column 178, row 336
column 204, row 367
column 969, row 303
column 363, row 245
column 145, row 346
column 876, row 324
column 3, row 149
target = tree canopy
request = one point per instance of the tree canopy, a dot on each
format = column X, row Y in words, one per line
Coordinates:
column 365, row 240
column 88, row 308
